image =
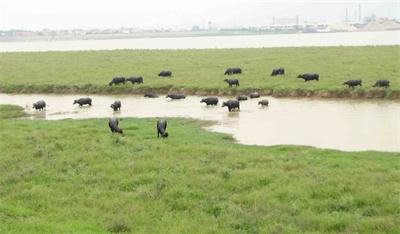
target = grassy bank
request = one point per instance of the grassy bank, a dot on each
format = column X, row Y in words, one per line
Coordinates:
column 201, row 71
column 75, row 176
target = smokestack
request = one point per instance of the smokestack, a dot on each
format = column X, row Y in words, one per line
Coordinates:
column 359, row 12
column 347, row 15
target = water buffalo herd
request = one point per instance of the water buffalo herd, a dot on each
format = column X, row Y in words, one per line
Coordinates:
column 235, row 82
column 123, row 80
column 113, row 124
column 233, row 104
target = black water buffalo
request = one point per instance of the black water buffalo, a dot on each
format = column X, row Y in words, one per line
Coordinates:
column 39, row 105
column 241, row 97
column 231, row 104
column 83, row 101
column 263, row 102
column 117, row 80
column 353, row 83
column 254, row 95
column 210, row 101
column 231, row 71
column 116, row 105
column 113, row 124
column 382, row 83
column 176, row 96
column 165, row 73
column 135, row 79
column 150, row 95
column 161, row 128
column 309, row 76
column 278, row 71
column 232, row 82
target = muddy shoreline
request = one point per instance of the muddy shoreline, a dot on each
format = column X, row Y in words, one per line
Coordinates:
column 292, row 93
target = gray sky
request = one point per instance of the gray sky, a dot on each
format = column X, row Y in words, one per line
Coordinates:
column 68, row 14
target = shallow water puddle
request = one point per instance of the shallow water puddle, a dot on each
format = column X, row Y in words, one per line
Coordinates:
column 351, row 125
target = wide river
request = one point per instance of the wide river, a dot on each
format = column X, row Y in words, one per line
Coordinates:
column 350, row 125
column 209, row 42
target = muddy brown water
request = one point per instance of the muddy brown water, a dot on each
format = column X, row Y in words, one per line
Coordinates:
column 350, row 125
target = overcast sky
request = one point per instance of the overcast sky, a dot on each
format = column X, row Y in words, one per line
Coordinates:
column 68, row 14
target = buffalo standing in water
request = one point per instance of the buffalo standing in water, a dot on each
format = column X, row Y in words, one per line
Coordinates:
column 254, row 95
column 231, row 104
column 309, row 76
column 232, row 82
column 116, row 105
column 150, row 95
column 231, row 71
column 353, row 83
column 241, row 98
column 135, row 79
column 278, row 71
column 117, row 80
column 39, row 105
column 381, row 83
column 113, row 124
column 161, row 128
column 210, row 101
column 176, row 96
column 83, row 101
column 264, row 102
column 165, row 74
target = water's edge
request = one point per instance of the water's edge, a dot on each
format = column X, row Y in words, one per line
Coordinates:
column 293, row 93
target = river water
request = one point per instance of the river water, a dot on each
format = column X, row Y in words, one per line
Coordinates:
column 350, row 125
column 207, row 42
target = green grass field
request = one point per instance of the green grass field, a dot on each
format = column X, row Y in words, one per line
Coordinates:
column 74, row 176
column 201, row 71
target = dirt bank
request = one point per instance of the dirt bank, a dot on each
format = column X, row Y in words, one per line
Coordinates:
column 93, row 89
